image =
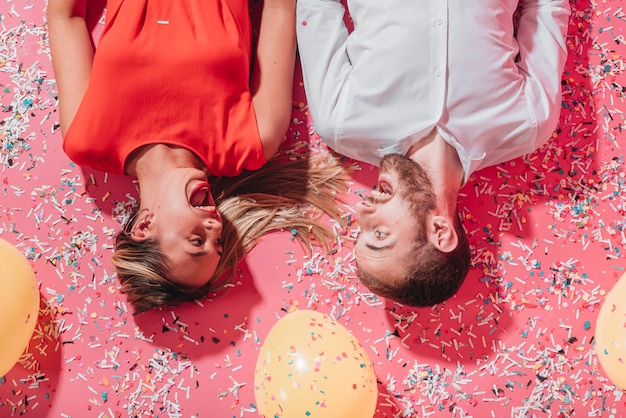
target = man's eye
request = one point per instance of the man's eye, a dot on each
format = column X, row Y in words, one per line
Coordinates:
column 380, row 235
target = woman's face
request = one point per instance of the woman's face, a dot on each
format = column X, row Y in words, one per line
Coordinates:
column 186, row 223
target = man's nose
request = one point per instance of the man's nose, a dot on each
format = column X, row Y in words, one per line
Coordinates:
column 363, row 208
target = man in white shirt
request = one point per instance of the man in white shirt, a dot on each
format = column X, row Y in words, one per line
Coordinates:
column 430, row 90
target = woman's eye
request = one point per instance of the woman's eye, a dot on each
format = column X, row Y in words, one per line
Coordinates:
column 380, row 235
column 197, row 241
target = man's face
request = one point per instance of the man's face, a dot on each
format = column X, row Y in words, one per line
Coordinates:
column 392, row 217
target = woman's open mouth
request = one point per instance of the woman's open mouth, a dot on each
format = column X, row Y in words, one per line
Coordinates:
column 200, row 197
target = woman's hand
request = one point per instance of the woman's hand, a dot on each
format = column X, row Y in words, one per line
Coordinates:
column 71, row 49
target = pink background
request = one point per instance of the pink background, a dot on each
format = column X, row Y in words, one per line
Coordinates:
column 517, row 340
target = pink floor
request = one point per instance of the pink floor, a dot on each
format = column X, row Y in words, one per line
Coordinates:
column 547, row 232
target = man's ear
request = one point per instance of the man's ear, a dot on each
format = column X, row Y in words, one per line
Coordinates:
column 442, row 234
column 141, row 229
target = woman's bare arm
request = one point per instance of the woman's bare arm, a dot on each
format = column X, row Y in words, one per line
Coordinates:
column 272, row 77
column 71, row 48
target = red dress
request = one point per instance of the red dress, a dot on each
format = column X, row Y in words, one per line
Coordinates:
column 173, row 72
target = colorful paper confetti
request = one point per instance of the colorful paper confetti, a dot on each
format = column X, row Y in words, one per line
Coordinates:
column 547, row 230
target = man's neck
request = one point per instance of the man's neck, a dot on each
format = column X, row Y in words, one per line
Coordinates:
column 441, row 162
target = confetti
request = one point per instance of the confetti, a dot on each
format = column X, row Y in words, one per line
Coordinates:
column 547, row 231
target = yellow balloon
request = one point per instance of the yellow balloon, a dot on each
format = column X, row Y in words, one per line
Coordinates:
column 311, row 366
column 610, row 334
column 19, row 305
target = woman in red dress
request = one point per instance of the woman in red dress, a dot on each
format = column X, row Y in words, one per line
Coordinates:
column 174, row 95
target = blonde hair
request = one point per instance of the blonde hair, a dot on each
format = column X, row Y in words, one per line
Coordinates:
column 290, row 194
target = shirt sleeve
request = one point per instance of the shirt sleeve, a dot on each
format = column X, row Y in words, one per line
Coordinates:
column 322, row 41
column 541, row 39
column 541, row 33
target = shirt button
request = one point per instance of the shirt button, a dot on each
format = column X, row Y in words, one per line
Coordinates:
column 438, row 73
column 439, row 22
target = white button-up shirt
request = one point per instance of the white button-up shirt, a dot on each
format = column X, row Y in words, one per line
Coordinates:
column 491, row 89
